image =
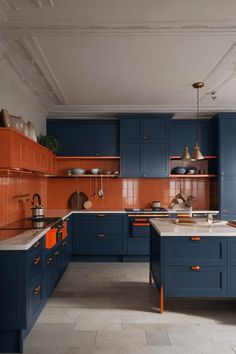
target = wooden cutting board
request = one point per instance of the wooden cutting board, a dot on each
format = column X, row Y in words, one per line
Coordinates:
column 185, row 221
column 77, row 200
column 231, row 223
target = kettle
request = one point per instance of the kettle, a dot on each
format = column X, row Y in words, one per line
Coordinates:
column 155, row 204
column 37, row 209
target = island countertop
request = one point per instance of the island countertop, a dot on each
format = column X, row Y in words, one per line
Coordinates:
column 169, row 227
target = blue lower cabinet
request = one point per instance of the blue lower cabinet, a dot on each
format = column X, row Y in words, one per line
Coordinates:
column 28, row 281
column 205, row 251
column 99, row 234
column 187, row 281
column 232, row 250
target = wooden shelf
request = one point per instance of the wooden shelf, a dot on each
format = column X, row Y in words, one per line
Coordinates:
column 88, row 157
column 192, row 176
column 205, row 158
column 85, row 176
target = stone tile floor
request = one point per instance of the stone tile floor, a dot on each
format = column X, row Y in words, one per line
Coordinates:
column 108, row 308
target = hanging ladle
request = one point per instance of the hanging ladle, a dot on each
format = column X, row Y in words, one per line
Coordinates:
column 101, row 191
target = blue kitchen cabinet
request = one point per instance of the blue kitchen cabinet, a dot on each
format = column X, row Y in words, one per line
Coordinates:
column 99, row 234
column 154, row 160
column 227, row 164
column 85, row 137
column 130, row 162
column 144, row 149
column 184, row 132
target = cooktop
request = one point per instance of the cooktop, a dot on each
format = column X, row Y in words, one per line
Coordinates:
column 30, row 223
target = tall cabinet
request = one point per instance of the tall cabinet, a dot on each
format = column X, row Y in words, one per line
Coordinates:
column 227, row 165
column 144, row 145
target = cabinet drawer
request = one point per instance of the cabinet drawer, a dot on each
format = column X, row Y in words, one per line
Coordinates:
column 35, row 265
column 233, row 281
column 100, row 247
column 38, row 245
column 112, row 226
column 211, row 251
column 138, row 246
column 183, row 281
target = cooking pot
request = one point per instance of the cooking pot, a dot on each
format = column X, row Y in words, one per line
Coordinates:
column 155, row 204
column 37, row 209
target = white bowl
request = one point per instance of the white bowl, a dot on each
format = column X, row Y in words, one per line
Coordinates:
column 77, row 171
column 95, row 171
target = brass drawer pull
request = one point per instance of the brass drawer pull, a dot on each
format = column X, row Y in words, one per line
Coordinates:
column 195, row 238
column 49, row 260
column 64, row 243
column 37, row 260
column 140, row 220
column 141, row 224
column 56, row 253
column 37, row 244
column 195, row 267
column 101, row 235
column 37, row 290
column 100, row 215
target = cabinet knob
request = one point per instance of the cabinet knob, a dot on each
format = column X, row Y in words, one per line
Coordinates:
column 195, row 267
column 64, row 243
column 195, row 238
column 37, row 290
column 101, row 235
column 37, row 260
column 49, row 260
column 100, row 215
column 37, row 244
column 145, row 137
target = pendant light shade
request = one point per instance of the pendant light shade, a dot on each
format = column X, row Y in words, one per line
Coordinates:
column 196, row 155
column 186, row 155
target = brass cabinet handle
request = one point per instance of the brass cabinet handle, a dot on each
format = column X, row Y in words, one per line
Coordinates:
column 101, row 235
column 195, row 238
column 100, row 215
column 37, row 244
column 64, row 243
column 145, row 137
column 49, row 260
column 37, row 260
column 56, row 253
column 37, row 290
column 195, row 267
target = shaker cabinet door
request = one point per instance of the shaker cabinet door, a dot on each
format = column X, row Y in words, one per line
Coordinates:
column 154, row 160
column 130, row 160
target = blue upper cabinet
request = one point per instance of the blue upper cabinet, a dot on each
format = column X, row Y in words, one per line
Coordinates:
column 227, row 144
column 184, row 132
column 144, row 145
column 85, row 137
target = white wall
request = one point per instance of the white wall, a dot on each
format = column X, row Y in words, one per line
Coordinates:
column 19, row 102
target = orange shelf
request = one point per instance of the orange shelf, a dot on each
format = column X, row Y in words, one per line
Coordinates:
column 88, row 157
column 192, row 176
column 205, row 157
column 85, row 176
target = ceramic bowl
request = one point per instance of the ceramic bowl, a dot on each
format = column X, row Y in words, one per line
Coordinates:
column 191, row 170
column 77, row 171
column 178, row 171
column 95, row 171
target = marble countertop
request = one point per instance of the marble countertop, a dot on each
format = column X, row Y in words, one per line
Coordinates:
column 25, row 239
column 168, row 227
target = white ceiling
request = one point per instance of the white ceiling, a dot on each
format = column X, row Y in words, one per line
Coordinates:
column 126, row 55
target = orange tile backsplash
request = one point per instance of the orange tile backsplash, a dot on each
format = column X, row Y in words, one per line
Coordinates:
column 122, row 193
column 12, row 210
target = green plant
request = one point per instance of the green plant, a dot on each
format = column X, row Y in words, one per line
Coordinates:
column 49, row 142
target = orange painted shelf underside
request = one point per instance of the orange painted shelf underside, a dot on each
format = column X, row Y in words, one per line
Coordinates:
column 88, row 157
column 205, row 157
column 192, row 176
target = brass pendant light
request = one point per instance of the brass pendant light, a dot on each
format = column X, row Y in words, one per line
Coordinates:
column 196, row 155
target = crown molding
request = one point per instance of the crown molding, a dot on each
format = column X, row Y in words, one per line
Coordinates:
column 111, row 110
column 21, row 27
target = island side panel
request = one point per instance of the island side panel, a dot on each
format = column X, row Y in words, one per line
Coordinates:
column 156, row 253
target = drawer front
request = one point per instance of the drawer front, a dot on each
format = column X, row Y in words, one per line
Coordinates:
column 100, row 247
column 138, row 246
column 35, row 265
column 183, row 281
column 233, row 281
column 233, row 251
column 111, row 226
column 211, row 251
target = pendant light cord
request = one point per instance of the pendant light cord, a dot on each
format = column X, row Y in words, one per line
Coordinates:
column 197, row 114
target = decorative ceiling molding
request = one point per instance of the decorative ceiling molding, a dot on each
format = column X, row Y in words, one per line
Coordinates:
column 223, row 72
column 25, row 67
column 33, row 48
column 12, row 5
column 129, row 26
column 111, row 110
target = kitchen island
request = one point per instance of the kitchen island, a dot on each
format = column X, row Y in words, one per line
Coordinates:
column 192, row 260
